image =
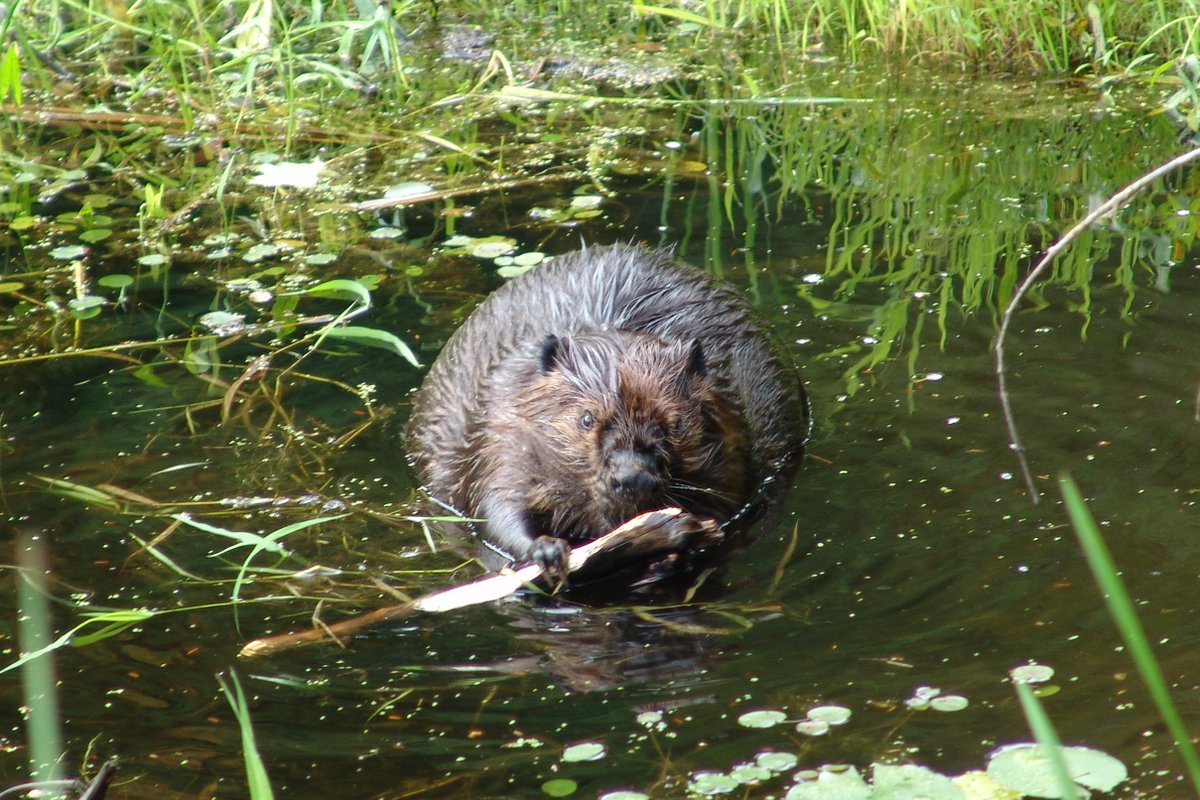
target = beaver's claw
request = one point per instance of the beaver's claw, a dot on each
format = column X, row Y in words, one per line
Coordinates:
column 553, row 556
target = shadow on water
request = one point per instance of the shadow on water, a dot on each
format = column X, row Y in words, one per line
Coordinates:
column 880, row 239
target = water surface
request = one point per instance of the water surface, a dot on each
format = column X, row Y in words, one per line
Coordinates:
column 907, row 553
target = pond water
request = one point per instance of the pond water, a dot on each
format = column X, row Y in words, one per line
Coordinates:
column 906, row 554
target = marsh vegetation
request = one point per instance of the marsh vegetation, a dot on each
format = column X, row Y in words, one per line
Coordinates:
column 233, row 235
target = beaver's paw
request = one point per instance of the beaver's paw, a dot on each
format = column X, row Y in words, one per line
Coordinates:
column 552, row 555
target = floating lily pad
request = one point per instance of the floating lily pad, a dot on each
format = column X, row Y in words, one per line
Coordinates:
column 223, row 323
column 750, row 773
column 529, row 259
column 812, row 727
column 95, row 235
column 832, row 715
column 623, row 794
column 831, row 785
column 709, row 784
column 761, row 719
column 1032, row 673
column 116, row 281
column 584, row 751
column 559, row 787
column 85, row 307
column 260, row 251
column 912, row 782
column 511, row 271
column 949, row 702
column 387, row 232
column 491, row 249
column 68, row 252
column 776, row 762
column 1025, row 768
column 96, row 200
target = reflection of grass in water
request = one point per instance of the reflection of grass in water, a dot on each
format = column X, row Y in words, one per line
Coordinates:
column 937, row 211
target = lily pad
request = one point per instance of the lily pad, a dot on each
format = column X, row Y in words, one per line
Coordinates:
column 584, row 751
column 223, row 323
column 812, row 727
column 116, row 281
column 761, row 719
column 832, row 715
column 85, row 307
column 831, row 785
column 913, row 782
column 1032, row 673
column 750, row 773
column 491, row 249
column 1025, row 768
column 949, row 702
column 68, row 252
column 709, row 784
column 559, row 787
column 776, row 762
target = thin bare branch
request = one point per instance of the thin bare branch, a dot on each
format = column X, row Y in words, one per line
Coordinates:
column 1109, row 206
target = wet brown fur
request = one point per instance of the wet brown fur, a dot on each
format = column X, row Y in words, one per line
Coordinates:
column 671, row 368
column 640, row 394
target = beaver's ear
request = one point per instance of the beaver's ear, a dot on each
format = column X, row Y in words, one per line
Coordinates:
column 550, row 353
column 696, row 364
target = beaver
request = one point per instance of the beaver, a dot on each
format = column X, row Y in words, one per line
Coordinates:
column 604, row 383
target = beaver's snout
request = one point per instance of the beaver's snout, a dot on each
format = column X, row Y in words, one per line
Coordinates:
column 635, row 475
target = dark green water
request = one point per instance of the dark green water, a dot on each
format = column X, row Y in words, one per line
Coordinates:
column 919, row 559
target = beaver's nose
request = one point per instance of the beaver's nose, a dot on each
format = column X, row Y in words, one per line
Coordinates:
column 634, row 474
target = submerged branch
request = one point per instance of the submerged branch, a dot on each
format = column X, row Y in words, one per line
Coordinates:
column 1109, row 206
column 652, row 533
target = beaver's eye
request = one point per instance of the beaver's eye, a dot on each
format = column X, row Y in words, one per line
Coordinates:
column 586, row 420
column 657, row 432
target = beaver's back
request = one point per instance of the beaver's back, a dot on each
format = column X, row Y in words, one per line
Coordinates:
column 606, row 288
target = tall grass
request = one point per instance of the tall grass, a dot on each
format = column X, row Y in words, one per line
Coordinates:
column 1121, row 610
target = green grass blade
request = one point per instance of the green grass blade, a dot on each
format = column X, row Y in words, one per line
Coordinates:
column 1120, row 608
column 43, row 722
column 1047, row 739
column 256, row 771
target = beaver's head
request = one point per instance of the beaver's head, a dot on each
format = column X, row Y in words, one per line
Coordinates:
column 631, row 418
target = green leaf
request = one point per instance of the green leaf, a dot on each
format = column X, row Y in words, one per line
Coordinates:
column 10, row 75
column 767, row 718
column 84, row 494
column 240, row 538
column 373, row 337
column 116, row 281
column 584, row 751
column 68, row 252
column 111, row 623
column 559, row 787
column 1027, row 768
column 95, row 235
column 256, row 772
column 341, row 289
column 85, row 307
